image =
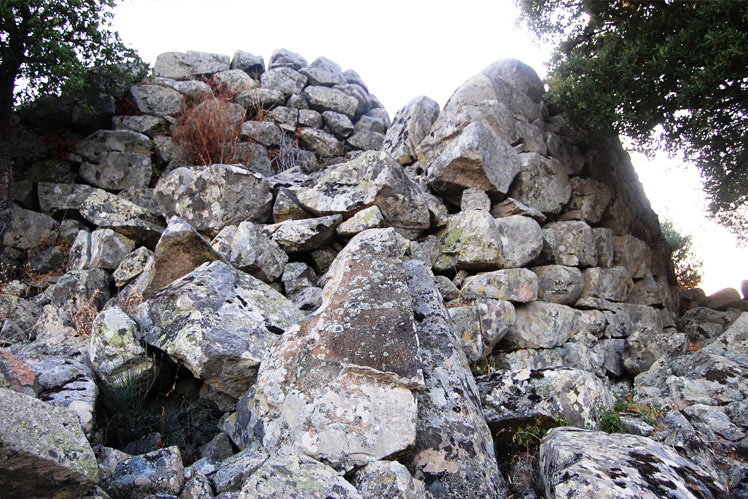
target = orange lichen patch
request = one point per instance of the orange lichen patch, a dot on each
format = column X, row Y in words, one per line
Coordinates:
column 16, row 371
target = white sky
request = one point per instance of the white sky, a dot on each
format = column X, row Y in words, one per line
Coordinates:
column 403, row 49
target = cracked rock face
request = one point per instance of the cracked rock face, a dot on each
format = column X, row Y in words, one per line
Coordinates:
column 339, row 385
column 578, row 463
column 218, row 322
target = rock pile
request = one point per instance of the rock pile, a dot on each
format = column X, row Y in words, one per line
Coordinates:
column 359, row 307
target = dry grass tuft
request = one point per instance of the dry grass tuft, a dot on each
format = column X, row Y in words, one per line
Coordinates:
column 206, row 133
column 84, row 317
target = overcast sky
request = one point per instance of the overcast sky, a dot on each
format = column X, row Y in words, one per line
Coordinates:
column 403, row 49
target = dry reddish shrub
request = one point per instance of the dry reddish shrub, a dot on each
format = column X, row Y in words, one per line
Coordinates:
column 207, row 133
column 130, row 301
column 84, row 317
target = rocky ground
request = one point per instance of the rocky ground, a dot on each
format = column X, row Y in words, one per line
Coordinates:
column 475, row 301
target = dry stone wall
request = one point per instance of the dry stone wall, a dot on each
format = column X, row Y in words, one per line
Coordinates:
column 332, row 294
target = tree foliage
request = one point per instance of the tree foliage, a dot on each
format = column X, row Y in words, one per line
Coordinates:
column 670, row 74
column 686, row 263
column 59, row 46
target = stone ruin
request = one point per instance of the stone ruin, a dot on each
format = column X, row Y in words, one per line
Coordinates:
column 453, row 303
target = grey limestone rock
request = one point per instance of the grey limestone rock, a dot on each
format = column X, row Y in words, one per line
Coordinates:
column 370, row 218
column 157, row 100
column 559, row 284
column 358, row 355
column 634, row 254
column 569, row 243
column 145, row 124
column 512, row 398
column 303, row 235
column 279, row 477
column 114, row 352
column 256, row 99
column 453, row 452
column 108, row 211
column 263, row 132
column 104, row 142
column 579, row 463
column 102, row 248
column 372, row 178
column 218, row 322
column 330, row 99
column 180, row 250
column 322, row 143
column 339, row 124
column 55, row 197
column 131, row 266
column 382, row 479
column 409, row 127
column 234, row 80
column 519, row 75
column 284, row 79
column 139, row 477
column 515, row 285
column 589, row 199
column 286, row 58
column 29, row 229
column 210, row 198
column 521, row 240
column 248, row 249
column 476, row 158
column 366, row 140
column 43, row 449
column 186, row 66
column 323, row 71
column 481, row 325
column 233, row 471
column 612, row 284
column 540, row 325
column 253, row 65
column 470, row 240
column 542, row 183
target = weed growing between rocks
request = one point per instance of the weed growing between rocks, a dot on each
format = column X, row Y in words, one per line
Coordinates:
column 206, row 133
column 84, row 318
column 145, row 411
column 610, row 421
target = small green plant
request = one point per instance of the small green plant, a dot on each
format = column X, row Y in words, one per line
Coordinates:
column 530, row 436
column 610, row 422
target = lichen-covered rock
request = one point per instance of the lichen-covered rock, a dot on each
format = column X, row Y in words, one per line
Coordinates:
column 579, row 463
column 29, row 229
column 55, row 197
column 605, row 246
column 233, row 471
column 114, row 352
column 339, row 385
column 542, row 183
column 43, row 450
column 570, row 243
column 131, row 266
column 521, row 240
column 322, row 143
column 102, row 248
column 295, row 475
column 284, row 80
column 248, row 249
column 559, row 284
column 145, row 124
column 373, row 178
column 234, row 80
column 218, row 322
column 108, row 211
column 470, row 240
column 513, row 398
column 385, row 479
column 339, row 124
column 263, row 132
column 79, row 288
column 185, row 66
column 179, row 251
column 139, row 477
column 515, row 285
column 212, row 197
column 303, row 235
column 453, row 453
column 476, row 158
column 649, row 341
column 540, row 325
column 16, row 375
column 118, row 170
column 481, row 325
column 370, row 218
column 105, row 142
column 409, row 126
column 612, row 284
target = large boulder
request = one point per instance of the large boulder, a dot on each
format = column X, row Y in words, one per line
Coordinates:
column 569, row 243
column 339, row 386
column 108, row 211
column 476, row 158
column 157, row 100
column 118, row 170
column 373, row 178
column 29, row 229
column 409, row 127
column 186, row 66
column 540, row 325
column 559, row 283
column 248, row 249
column 542, row 183
column 481, row 325
column 212, row 197
column 454, row 451
column 43, row 450
column 218, row 322
column 579, row 463
column 470, row 240
column 511, row 399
